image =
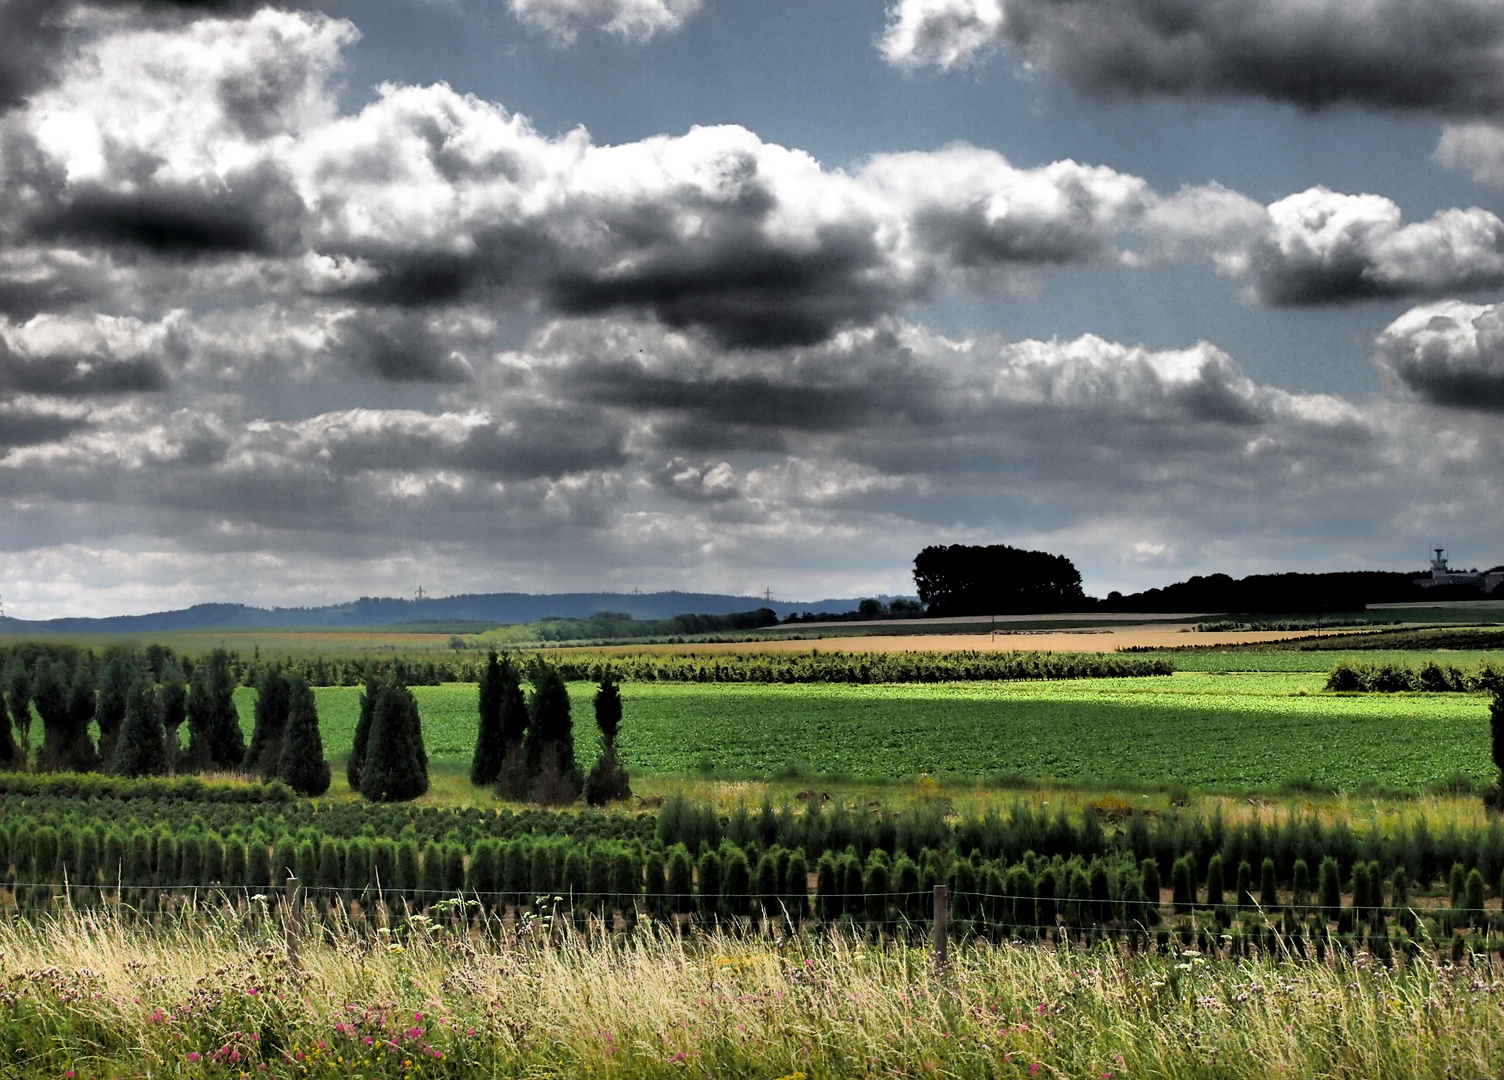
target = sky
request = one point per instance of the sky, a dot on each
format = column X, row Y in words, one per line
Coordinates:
column 299, row 304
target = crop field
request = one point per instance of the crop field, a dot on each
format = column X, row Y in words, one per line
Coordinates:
column 1225, row 731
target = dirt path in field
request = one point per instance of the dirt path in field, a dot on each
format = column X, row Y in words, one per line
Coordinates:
column 1103, row 639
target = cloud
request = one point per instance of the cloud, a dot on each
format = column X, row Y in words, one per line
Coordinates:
column 1449, row 353
column 1439, row 56
column 1324, row 247
column 78, row 358
column 631, row 20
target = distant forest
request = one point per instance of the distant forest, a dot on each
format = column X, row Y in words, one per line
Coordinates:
column 997, row 579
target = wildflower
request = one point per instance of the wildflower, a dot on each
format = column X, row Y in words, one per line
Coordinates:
column 1034, row 1068
column 194, row 1057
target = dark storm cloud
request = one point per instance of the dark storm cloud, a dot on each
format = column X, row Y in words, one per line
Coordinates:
column 79, row 376
column 23, row 426
column 1449, row 354
column 1442, row 56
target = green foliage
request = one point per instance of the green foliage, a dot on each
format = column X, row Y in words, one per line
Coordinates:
column 273, row 704
column 64, row 745
column 301, row 764
column 1183, row 884
column 115, row 681
column 142, row 748
column 215, row 740
column 490, row 747
column 396, row 766
column 549, row 743
column 680, row 884
column 1329, row 888
column 608, row 711
column 11, row 756
column 361, row 740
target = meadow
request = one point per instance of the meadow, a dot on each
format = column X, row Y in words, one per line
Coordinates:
column 88, row 997
column 1221, row 731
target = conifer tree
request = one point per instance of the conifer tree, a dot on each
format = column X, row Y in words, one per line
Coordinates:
column 396, row 766
column 607, row 781
column 10, row 753
column 362, row 738
column 1496, row 734
column 141, row 749
column 215, row 740
column 64, row 745
column 550, row 739
column 173, row 697
column 273, row 702
column 485, row 766
column 18, row 696
column 301, row 765
column 115, row 682
column 514, row 780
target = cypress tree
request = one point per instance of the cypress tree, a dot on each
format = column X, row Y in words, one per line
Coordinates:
column 1473, row 897
column 736, row 883
column 167, row 861
column 827, row 886
column 1183, row 884
column 876, row 888
column 796, row 887
column 485, row 871
column 64, row 746
column 173, row 698
column 490, row 750
column 81, row 698
column 626, row 884
column 236, row 872
column 305, row 864
column 284, row 859
column 212, row 859
column 1149, row 869
column 655, row 886
column 453, row 877
column 301, row 764
column 215, row 740
column 331, row 872
column 1496, row 737
column 1268, row 887
column 431, row 875
column 141, row 749
column 384, row 864
column 608, row 781
column 680, row 888
column 1215, row 882
column 259, row 872
column 395, row 768
column 406, row 879
column 765, row 885
column 357, row 875
column 357, row 758
column 1300, row 885
column 18, row 697
column 1245, row 884
column 513, row 780
column 10, row 753
column 1329, row 886
column 119, row 674
column 549, row 743
column 709, row 894
column 273, row 704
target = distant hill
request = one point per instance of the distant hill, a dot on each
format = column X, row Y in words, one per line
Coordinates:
column 488, row 608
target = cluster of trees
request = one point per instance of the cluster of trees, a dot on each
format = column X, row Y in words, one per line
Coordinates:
column 525, row 744
column 139, row 702
column 1431, row 677
column 961, row 579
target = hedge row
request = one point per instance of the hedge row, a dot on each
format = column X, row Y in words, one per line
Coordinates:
column 1398, row 678
column 1424, row 854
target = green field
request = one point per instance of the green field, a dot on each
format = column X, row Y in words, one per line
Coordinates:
column 1228, row 731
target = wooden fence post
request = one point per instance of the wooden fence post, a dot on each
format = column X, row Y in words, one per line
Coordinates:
column 293, row 915
column 942, row 937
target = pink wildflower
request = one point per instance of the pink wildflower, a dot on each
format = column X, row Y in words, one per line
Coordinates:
column 194, row 1057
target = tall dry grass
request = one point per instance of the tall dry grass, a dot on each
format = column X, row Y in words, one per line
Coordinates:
column 86, row 995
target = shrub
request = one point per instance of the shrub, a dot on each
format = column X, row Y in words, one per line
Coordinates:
column 708, row 875
column 10, row 753
column 796, row 886
column 1245, row 884
column 680, row 880
column 1215, row 882
column 1329, row 888
column 736, row 883
column 1268, row 886
column 1183, row 884
column 1300, row 884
